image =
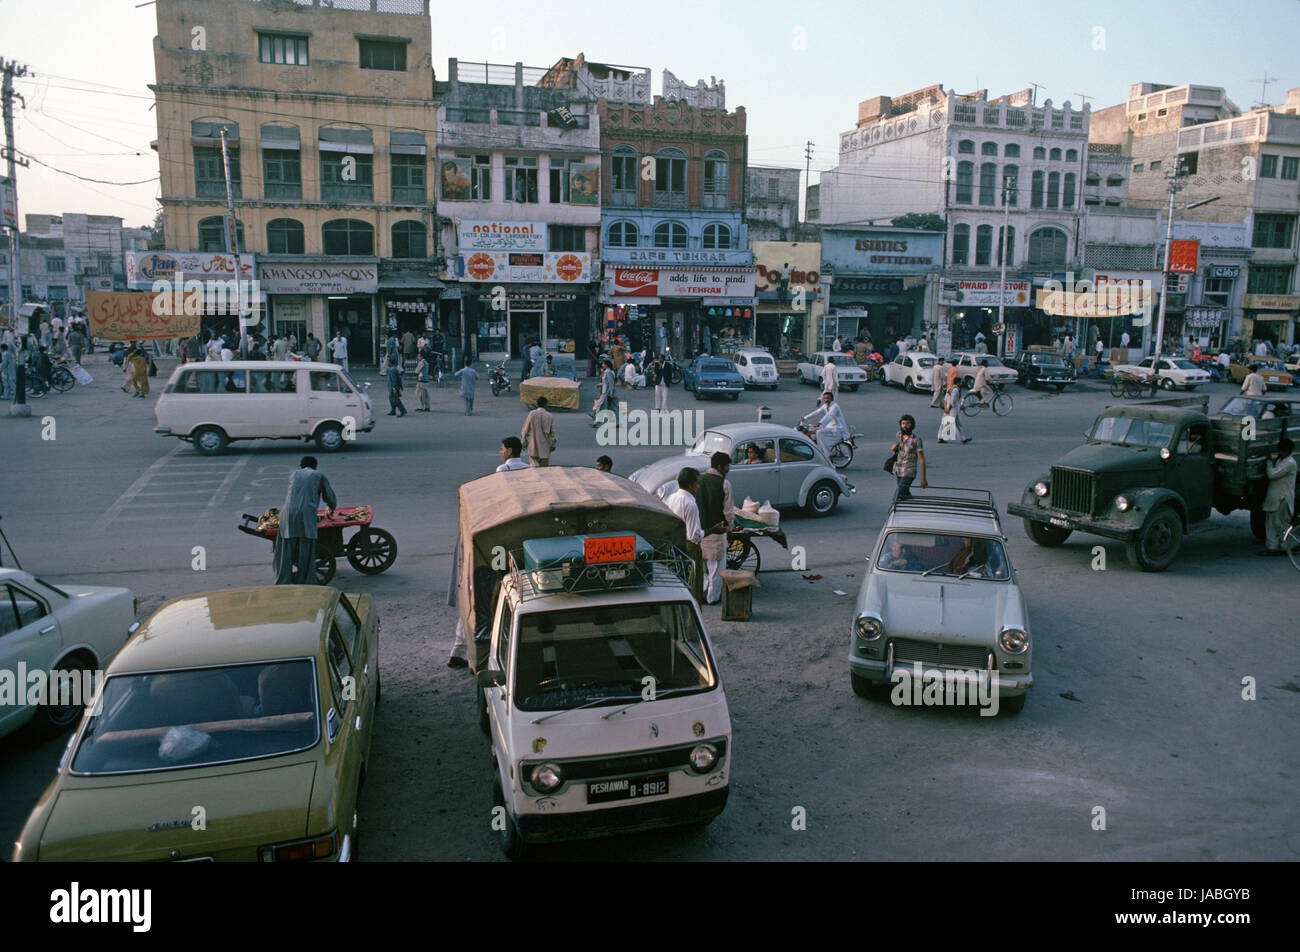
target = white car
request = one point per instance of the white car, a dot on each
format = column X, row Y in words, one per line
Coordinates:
column 999, row 374
column 910, row 371
column 757, row 367
column 72, row 630
column 1172, row 372
column 851, row 376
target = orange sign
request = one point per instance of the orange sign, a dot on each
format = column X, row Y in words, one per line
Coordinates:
column 609, row 549
column 1182, row 256
column 131, row 315
column 569, row 268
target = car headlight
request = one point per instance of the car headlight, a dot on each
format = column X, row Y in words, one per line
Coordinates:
column 547, row 778
column 1123, row 503
column 1040, row 489
column 868, row 628
column 703, row 757
column 1014, row 640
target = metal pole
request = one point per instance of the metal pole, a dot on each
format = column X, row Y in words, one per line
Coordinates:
column 1007, row 183
column 18, row 406
column 232, row 246
column 1164, row 275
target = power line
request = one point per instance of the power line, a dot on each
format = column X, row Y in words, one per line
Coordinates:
column 82, row 177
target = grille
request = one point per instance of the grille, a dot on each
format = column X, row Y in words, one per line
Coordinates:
column 907, row 651
column 1073, row 490
column 668, row 758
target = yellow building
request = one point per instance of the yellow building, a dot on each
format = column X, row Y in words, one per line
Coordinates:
column 329, row 131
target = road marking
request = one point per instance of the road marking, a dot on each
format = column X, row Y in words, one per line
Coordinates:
column 132, row 491
column 227, row 483
column 164, row 488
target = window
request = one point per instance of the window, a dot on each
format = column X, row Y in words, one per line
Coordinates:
column 1136, row 168
column 378, row 54
column 1047, row 247
column 623, row 167
column 1036, row 191
column 104, row 263
column 1015, row 117
column 1011, row 179
column 1007, row 241
column 281, row 173
column 285, row 236
column 670, row 234
column 346, row 176
column 521, row 179
column 797, row 451
column 989, row 148
column 1273, row 231
column 670, row 178
column 774, row 187
column 209, row 174
column 1055, row 155
column 1040, row 154
column 1291, row 167
column 992, row 117
column 1155, row 166
column 409, row 179
column 1012, row 151
column 481, row 178
column 410, row 240
column 567, row 237
column 1217, row 292
column 340, row 666
column 966, row 147
column 715, row 179
column 961, row 244
column 1114, row 181
column 56, row 265
column 983, row 244
column 212, row 234
column 1072, row 155
column 1053, row 189
column 623, row 234
column 1268, row 166
column 1269, row 280
column 1188, row 162
column 965, row 182
column 559, row 180
column 988, row 183
column 1067, row 198
column 18, row 609
column 1162, row 112
column 347, row 236
column 1142, row 117
column 717, row 236
column 282, row 48
column 326, row 381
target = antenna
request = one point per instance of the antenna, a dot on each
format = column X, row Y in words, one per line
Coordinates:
column 1033, row 99
column 1263, row 89
column 1085, row 98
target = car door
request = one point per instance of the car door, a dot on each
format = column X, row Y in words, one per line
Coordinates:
column 364, row 663
column 797, row 460
column 30, row 636
column 1190, row 470
column 344, row 724
column 330, row 398
column 756, row 480
column 498, row 698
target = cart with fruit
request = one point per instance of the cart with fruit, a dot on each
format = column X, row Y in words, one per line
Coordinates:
column 370, row 550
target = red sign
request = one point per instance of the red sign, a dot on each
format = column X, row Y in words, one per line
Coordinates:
column 138, row 315
column 642, row 281
column 480, row 265
column 569, row 268
column 609, row 549
column 1182, row 256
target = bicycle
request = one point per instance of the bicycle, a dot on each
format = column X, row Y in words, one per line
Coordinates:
column 1291, row 544
column 1001, row 404
column 841, row 454
column 61, row 378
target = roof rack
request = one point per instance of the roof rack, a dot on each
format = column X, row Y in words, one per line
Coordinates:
column 669, row 564
column 950, row 499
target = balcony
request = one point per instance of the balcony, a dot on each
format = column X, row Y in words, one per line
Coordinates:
column 282, row 190
column 623, row 199
column 409, row 195
column 670, row 199
column 518, row 117
column 460, row 114
column 347, row 193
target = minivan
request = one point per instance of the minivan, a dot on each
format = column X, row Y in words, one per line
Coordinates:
column 214, row 402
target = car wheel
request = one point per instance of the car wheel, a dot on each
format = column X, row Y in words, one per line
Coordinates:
column 210, row 441
column 1157, row 542
column 735, row 396
column 1045, row 534
column 1060, row 388
column 329, row 438
column 512, row 844
column 854, row 387
column 1012, row 705
column 698, row 395
column 484, row 722
column 863, row 687
column 1257, row 521
column 822, row 499
column 1166, row 383
column 52, row 719
column 909, row 386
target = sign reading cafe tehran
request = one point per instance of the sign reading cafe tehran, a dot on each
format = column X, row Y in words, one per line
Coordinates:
column 319, row 278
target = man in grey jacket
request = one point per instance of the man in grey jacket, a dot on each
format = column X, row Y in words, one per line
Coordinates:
column 295, row 542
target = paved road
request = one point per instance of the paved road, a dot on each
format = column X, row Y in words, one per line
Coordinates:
column 1137, row 708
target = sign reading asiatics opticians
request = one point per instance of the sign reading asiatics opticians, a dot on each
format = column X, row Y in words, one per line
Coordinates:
column 133, row 315
column 684, row 282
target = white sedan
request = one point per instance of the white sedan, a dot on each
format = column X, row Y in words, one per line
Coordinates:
column 54, row 640
column 851, row 376
column 1172, row 372
column 757, row 367
column 910, row 371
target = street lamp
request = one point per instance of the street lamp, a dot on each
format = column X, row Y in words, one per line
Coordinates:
column 1008, row 184
column 1174, row 186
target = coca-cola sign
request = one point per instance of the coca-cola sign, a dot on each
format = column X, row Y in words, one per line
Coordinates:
column 685, row 282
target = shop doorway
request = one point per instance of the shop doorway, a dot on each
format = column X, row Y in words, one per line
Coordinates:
column 352, row 317
column 525, row 327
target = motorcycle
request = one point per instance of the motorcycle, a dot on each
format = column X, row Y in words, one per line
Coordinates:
column 498, row 379
column 673, row 373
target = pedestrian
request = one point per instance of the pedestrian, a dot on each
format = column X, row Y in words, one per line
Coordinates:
column 908, row 454
column 76, row 344
column 605, row 399
column 1261, row 349
column 137, row 366
column 339, row 349
column 838, row 346
column 1189, row 349
column 657, row 376
column 604, row 464
column 1069, row 347
column 950, row 426
column 1101, row 349
column 1124, row 339
column 393, row 353
column 716, row 504
column 538, row 434
column 938, row 382
column 1224, row 360
column 295, row 540
column 1253, row 385
column 313, row 346
column 422, row 382
column 408, row 345
column 511, row 447
column 831, row 379
column 395, row 387
column 981, row 385
column 682, row 502
column 1279, row 497
column 468, row 377
column 8, row 374
column 902, row 345
column 193, row 349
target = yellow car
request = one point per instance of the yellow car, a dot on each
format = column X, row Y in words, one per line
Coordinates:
column 1271, row 369
column 234, row 725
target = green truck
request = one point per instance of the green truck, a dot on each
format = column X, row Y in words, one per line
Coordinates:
column 1151, row 472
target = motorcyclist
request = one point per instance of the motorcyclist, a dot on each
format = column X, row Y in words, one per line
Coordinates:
column 832, row 428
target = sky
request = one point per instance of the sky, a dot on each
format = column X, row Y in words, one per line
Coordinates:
column 799, row 69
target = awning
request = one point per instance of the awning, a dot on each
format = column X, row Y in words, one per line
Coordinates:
column 281, row 137
column 353, row 141
column 407, row 143
column 204, row 133
column 414, row 282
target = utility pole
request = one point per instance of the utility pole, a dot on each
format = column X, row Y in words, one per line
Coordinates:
column 19, row 404
column 232, row 238
column 1174, row 186
column 1008, row 184
column 807, row 174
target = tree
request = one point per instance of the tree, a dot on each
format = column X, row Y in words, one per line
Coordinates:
column 925, row 222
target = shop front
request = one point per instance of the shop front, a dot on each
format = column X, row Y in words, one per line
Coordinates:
column 882, row 284
column 228, row 284
column 1269, row 317
column 972, row 310
column 409, row 296
column 787, row 286
column 323, row 296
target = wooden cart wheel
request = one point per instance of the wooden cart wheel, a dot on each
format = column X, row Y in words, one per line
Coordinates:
column 324, row 569
column 743, row 554
column 372, row 550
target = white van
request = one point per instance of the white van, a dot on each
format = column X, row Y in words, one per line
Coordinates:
column 213, row 402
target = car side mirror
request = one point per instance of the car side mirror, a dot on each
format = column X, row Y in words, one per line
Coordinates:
column 491, row 679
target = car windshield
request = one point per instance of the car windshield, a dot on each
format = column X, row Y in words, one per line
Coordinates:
column 1045, row 361
column 988, row 361
column 760, row 359
column 841, row 360
column 716, row 366
column 200, row 716
column 572, row 657
column 1127, row 431
column 926, row 552
column 1184, row 364
column 710, row 442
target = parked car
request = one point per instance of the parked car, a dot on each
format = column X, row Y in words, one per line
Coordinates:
column 910, row 371
column 67, row 632
column 999, row 374
column 757, row 367
column 234, row 725
column 1172, row 372
column 942, row 595
column 1274, row 372
column 1042, row 369
column 793, row 472
column 851, row 376
column 715, row 376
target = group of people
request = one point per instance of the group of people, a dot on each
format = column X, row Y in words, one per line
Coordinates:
column 57, row 341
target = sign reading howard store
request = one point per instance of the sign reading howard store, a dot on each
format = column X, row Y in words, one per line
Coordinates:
column 319, row 278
